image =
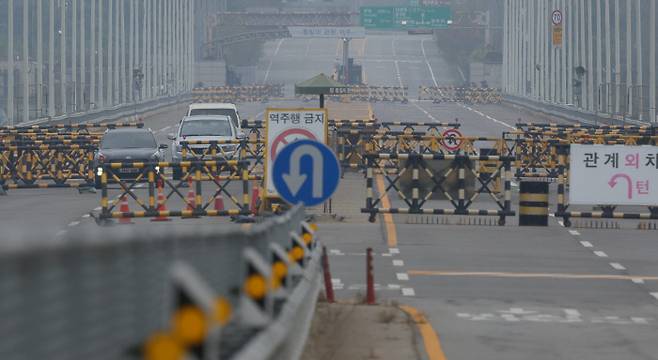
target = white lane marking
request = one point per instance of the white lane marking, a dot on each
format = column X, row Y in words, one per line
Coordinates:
column 85, row 216
column 572, row 313
column 393, row 286
column 638, row 281
column 600, row 254
column 308, row 46
column 425, row 112
column 561, row 223
column 402, row 276
column 640, row 320
column 408, row 292
column 654, row 294
column 60, row 233
column 336, row 252
column 487, row 116
column 97, row 208
column 163, row 129
column 617, row 266
column 394, row 250
column 398, row 263
column 74, row 223
column 574, row 232
column 397, row 70
column 387, row 254
column 422, row 46
column 269, row 67
column 586, row 244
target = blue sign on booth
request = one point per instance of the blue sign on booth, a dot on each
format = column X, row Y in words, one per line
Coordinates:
column 306, row 172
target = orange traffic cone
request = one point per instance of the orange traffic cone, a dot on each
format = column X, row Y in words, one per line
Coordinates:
column 124, row 208
column 219, row 202
column 255, row 199
column 191, row 198
column 162, row 204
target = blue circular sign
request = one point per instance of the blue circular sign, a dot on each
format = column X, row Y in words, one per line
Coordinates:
column 306, row 172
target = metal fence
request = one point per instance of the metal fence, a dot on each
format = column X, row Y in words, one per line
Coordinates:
column 102, row 295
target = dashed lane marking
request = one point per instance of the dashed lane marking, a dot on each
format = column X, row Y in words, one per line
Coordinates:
column 654, row 294
column 398, row 262
column 574, row 232
column 402, row 276
column 408, row 292
column 422, row 46
column 60, row 233
column 637, row 281
column 586, row 244
column 394, row 250
column 530, row 275
column 74, row 223
column 85, row 216
column 617, row 266
column 600, row 254
column 431, row 341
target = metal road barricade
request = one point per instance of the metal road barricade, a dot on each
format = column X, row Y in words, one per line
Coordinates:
column 607, row 211
column 470, row 95
column 85, row 128
column 201, row 176
column 228, row 293
column 417, row 202
column 250, row 151
column 253, row 93
column 60, row 164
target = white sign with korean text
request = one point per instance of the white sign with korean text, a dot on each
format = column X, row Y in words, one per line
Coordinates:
column 333, row 32
column 284, row 126
column 613, row 175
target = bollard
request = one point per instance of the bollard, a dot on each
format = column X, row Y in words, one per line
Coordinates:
column 533, row 203
column 370, row 281
column 328, row 286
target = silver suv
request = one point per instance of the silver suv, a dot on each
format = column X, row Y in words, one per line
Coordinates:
column 204, row 128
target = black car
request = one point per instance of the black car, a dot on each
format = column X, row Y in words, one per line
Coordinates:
column 129, row 145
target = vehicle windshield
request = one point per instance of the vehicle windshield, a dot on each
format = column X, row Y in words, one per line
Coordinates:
column 226, row 112
column 210, row 127
column 128, row 140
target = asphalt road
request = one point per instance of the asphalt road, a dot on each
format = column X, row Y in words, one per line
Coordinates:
column 489, row 292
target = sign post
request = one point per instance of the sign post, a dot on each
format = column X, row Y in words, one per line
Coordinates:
column 284, row 126
column 613, row 174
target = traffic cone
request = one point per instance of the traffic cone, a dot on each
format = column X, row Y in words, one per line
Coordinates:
column 219, row 202
column 191, row 196
column 124, row 208
column 162, row 204
column 255, row 198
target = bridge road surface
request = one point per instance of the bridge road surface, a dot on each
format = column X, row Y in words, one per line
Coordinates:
column 497, row 292
column 489, row 292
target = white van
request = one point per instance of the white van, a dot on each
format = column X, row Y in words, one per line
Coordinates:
column 224, row 109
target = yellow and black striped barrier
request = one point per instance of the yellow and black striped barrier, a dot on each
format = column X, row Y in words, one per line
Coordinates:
column 533, row 203
column 196, row 203
column 416, row 203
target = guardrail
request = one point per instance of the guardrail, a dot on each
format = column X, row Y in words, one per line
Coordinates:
column 203, row 293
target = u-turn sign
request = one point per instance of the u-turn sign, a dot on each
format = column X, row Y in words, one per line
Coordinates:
column 306, row 172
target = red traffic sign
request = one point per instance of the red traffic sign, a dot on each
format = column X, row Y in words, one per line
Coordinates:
column 287, row 137
column 452, row 139
column 556, row 17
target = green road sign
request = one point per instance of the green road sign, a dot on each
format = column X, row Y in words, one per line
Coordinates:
column 405, row 17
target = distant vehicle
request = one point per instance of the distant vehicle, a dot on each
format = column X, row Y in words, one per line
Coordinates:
column 225, row 109
column 127, row 144
column 204, row 128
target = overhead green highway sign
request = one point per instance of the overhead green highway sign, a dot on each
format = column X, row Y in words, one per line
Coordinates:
column 406, row 17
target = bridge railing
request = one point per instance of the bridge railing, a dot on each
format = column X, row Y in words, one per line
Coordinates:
column 129, row 293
